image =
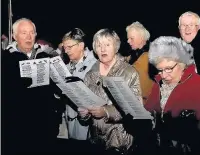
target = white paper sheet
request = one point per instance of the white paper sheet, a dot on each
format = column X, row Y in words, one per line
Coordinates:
column 80, row 94
column 37, row 69
column 58, row 70
column 125, row 98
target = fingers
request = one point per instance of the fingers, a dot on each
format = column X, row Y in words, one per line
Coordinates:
column 81, row 109
column 97, row 111
column 82, row 112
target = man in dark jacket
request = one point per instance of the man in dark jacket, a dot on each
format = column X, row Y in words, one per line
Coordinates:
column 30, row 114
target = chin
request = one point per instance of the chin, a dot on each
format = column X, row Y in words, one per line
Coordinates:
column 71, row 58
column 188, row 40
column 104, row 62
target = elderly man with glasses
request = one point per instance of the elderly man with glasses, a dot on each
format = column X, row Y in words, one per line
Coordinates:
column 189, row 25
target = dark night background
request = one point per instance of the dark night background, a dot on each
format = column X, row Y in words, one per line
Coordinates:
column 53, row 18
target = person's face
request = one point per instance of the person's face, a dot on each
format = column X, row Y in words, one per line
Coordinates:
column 188, row 28
column 170, row 71
column 25, row 36
column 105, row 50
column 135, row 39
column 73, row 49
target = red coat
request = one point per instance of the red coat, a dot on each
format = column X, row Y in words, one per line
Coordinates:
column 185, row 96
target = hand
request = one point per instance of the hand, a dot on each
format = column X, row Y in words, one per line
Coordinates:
column 97, row 111
column 83, row 112
column 45, row 47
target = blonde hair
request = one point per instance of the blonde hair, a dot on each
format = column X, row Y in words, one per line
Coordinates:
column 106, row 33
column 139, row 27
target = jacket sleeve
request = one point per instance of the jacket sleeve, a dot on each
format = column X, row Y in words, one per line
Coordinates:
column 112, row 113
column 135, row 86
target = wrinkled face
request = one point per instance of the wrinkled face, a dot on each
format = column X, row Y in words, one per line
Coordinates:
column 74, row 49
column 105, row 49
column 135, row 39
column 25, row 36
column 188, row 27
column 170, row 71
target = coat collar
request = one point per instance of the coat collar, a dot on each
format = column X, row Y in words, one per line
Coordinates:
column 113, row 69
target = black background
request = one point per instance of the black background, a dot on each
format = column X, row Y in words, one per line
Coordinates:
column 54, row 18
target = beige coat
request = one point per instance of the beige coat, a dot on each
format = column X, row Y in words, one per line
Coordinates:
column 108, row 132
column 142, row 66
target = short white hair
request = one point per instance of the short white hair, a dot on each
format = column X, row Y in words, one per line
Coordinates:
column 189, row 13
column 170, row 48
column 139, row 27
column 17, row 22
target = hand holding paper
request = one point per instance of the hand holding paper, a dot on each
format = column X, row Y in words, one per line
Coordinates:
column 83, row 112
column 97, row 111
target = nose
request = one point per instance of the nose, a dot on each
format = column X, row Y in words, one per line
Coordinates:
column 187, row 28
column 164, row 74
column 102, row 48
column 28, row 36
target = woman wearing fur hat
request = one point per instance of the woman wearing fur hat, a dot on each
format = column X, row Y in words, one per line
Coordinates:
column 175, row 98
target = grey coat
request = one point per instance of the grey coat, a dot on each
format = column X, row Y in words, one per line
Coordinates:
column 102, row 130
column 75, row 129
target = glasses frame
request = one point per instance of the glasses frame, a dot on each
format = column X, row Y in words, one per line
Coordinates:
column 70, row 47
column 167, row 70
column 191, row 26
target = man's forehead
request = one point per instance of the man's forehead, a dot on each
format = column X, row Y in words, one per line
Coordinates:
column 134, row 32
column 25, row 24
column 189, row 17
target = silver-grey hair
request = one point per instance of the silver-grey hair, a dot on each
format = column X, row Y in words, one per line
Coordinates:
column 189, row 13
column 170, row 48
column 106, row 33
column 137, row 26
column 17, row 22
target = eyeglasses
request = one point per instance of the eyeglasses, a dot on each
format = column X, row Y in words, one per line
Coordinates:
column 70, row 47
column 167, row 70
column 191, row 26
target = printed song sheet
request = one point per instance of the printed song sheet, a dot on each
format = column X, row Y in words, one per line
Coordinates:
column 125, row 98
column 80, row 94
column 37, row 69
column 58, row 70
